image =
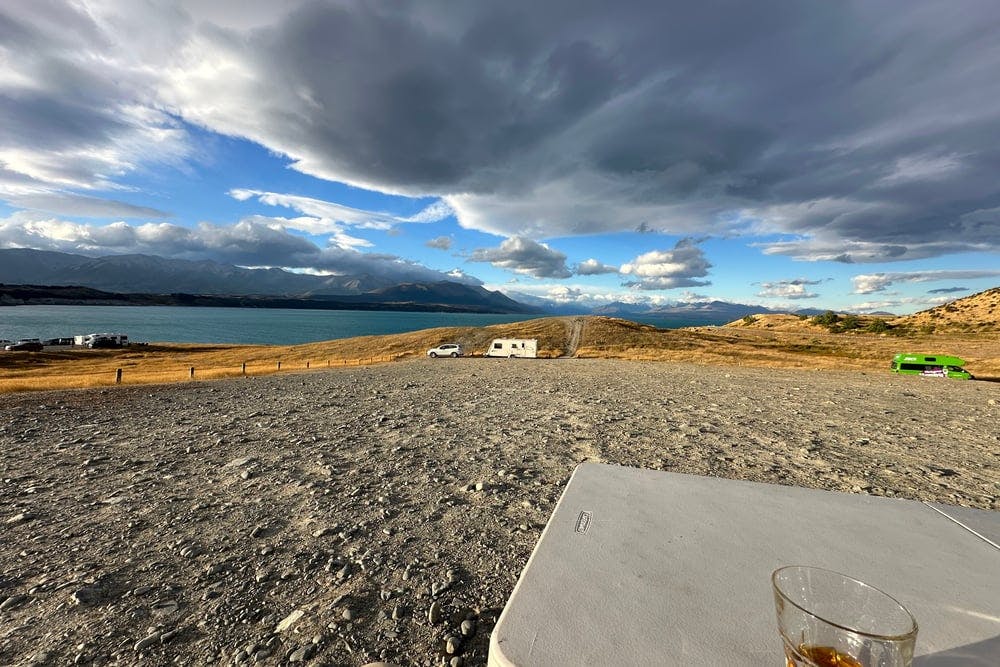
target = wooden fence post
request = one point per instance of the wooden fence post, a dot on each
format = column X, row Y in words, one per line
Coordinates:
column 192, row 372
column 244, row 368
column 118, row 376
column 307, row 364
column 279, row 365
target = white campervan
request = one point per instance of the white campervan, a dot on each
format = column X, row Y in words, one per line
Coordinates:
column 513, row 347
column 101, row 340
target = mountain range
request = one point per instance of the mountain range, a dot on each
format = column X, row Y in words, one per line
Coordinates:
column 126, row 278
column 120, row 278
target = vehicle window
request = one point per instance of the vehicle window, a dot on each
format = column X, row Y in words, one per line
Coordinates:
column 497, row 346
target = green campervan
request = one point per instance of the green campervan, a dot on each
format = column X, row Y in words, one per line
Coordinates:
column 930, row 365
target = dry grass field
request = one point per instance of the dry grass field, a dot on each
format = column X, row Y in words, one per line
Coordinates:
column 771, row 341
column 63, row 368
column 762, row 347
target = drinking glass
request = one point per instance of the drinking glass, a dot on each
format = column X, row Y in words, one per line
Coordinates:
column 827, row 619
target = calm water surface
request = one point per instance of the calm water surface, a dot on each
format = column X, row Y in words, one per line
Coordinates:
column 270, row 326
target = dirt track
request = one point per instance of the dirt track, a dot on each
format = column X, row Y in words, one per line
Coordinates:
column 189, row 524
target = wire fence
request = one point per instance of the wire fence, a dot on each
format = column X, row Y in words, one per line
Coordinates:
column 134, row 373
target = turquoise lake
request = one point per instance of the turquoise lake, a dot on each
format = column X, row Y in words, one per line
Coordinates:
column 267, row 326
column 262, row 326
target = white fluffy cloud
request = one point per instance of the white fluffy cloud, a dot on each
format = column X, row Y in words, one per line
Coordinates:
column 788, row 289
column 592, row 267
column 879, row 282
column 440, row 243
column 526, row 257
column 669, row 269
column 904, row 304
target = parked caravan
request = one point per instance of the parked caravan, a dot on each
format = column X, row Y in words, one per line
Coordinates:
column 930, row 366
column 101, row 340
column 513, row 347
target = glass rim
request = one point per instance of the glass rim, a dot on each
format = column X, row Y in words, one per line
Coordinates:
column 872, row 635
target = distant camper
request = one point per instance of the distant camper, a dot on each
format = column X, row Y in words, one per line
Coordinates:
column 101, row 340
column 930, row 366
column 526, row 348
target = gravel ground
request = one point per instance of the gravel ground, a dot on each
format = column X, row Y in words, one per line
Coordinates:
column 385, row 513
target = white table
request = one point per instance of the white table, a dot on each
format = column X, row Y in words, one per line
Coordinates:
column 642, row 567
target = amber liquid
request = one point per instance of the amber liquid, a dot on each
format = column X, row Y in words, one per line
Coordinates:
column 806, row 655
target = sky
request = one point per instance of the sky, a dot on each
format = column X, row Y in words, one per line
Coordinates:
column 790, row 154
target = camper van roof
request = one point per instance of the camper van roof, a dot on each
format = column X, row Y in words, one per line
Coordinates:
column 936, row 359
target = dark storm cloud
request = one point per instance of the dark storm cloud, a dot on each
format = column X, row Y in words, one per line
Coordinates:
column 77, row 111
column 848, row 123
column 854, row 131
column 524, row 256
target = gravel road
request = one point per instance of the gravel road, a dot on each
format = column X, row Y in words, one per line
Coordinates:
column 384, row 513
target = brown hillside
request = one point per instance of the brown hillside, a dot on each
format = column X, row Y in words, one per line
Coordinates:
column 979, row 312
column 797, row 324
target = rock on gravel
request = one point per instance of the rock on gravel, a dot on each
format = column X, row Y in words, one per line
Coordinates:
column 387, row 511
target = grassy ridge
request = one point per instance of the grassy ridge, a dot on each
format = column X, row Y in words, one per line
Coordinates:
column 601, row 337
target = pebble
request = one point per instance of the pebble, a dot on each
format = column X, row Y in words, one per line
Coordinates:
column 147, row 641
column 87, row 595
column 164, row 607
column 13, row 601
column 468, row 628
column 434, row 613
column 290, row 620
column 19, row 518
column 300, row 654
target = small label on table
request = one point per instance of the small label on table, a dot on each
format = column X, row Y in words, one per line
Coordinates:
column 583, row 521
